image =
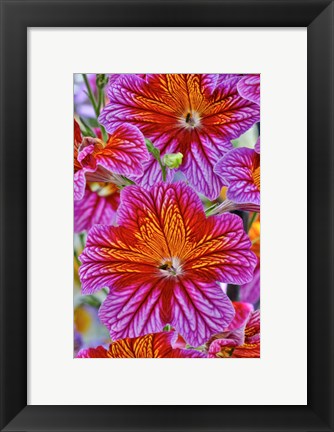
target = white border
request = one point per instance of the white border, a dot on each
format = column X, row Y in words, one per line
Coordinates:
column 279, row 377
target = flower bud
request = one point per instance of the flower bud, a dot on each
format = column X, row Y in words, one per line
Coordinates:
column 101, row 80
column 173, row 160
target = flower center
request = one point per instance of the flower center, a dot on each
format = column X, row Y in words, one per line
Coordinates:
column 191, row 120
column 171, row 267
column 103, row 189
column 225, row 352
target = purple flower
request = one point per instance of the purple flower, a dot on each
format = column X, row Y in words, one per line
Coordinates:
column 195, row 114
column 162, row 263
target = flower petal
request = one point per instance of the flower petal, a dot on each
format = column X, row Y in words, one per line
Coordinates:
column 173, row 210
column 79, row 185
column 250, row 292
column 200, row 310
column 159, row 106
column 94, row 209
column 133, row 309
column 243, row 311
column 154, row 345
column 124, row 152
column 240, row 170
column 251, row 346
column 166, row 224
column 223, row 253
column 249, row 88
column 98, row 352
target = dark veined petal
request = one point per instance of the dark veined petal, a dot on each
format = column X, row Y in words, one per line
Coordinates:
column 197, row 115
column 240, row 170
column 154, row 345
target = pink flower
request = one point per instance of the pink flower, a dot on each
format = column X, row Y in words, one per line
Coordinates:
column 195, row 114
column 162, row 264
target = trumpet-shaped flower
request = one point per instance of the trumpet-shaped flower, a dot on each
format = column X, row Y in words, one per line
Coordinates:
column 96, row 161
column 196, row 115
column 162, row 264
column 243, row 342
column 240, row 170
column 154, row 345
column 249, row 88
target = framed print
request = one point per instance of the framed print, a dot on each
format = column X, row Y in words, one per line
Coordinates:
column 161, row 330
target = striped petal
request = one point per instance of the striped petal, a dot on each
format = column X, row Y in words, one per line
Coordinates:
column 154, row 345
column 240, row 170
column 94, row 209
column 124, row 152
column 251, row 345
column 162, row 262
column 191, row 113
column 249, row 88
column 250, row 292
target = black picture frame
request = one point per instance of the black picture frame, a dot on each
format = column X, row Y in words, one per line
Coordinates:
column 16, row 17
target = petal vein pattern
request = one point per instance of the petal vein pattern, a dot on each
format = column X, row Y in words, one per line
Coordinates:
column 179, row 112
column 162, row 262
column 154, row 345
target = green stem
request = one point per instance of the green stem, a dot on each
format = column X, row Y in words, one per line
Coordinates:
column 163, row 170
column 96, row 106
column 77, row 258
column 252, row 220
column 88, row 131
column 82, row 240
column 90, row 95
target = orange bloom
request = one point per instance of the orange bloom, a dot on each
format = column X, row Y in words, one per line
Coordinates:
column 154, row 345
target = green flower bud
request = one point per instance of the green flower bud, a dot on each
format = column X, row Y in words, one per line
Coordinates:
column 173, row 160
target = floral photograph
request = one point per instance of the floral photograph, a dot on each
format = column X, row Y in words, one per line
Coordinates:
column 166, row 215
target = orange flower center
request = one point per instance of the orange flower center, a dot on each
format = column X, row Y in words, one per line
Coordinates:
column 225, row 352
column 171, row 267
column 103, row 189
column 190, row 120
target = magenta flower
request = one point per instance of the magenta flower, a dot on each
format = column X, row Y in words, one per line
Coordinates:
column 96, row 161
column 162, row 264
column 196, row 115
column 249, row 88
column 257, row 146
column 240, row 171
